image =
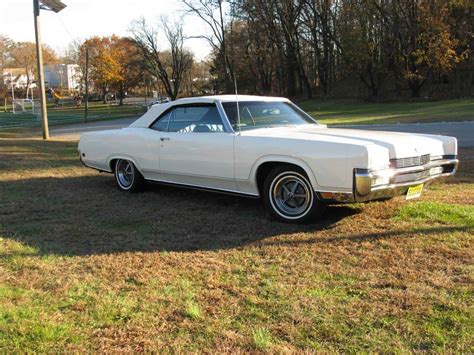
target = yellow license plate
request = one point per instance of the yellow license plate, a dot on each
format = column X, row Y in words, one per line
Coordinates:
column 414, row 191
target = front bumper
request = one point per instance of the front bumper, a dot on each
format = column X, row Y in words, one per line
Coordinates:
column 382, row 184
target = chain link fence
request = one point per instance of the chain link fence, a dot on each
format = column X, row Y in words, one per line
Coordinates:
column 25, row 113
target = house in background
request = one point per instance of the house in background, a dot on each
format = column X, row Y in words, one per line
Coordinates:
column 16, row 77
column 62, row 76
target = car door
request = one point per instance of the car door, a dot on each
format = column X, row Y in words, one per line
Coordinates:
column 195, row 148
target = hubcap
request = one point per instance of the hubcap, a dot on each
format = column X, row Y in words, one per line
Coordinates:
column 291, row 195
column 125, row 173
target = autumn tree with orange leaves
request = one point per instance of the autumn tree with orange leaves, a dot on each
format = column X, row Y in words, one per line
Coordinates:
column 425, row 41
column 115, row 64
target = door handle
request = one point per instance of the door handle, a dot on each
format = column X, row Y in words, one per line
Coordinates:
column 164, row 139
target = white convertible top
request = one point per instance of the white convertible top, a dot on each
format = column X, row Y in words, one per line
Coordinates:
column 147, row 119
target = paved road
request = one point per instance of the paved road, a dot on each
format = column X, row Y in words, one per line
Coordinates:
column 78, row 128
column 463, row 131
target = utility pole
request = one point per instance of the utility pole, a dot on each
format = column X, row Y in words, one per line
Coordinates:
column 86, row 111
column 2, row 82
column 51, row 5
column 39, row 60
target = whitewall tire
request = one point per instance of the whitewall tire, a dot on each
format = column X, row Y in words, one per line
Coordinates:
column 289, row 197
column 127, row 176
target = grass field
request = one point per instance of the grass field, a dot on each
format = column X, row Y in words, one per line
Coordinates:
column 354, row 112
column 84, row 267
column 97, row 111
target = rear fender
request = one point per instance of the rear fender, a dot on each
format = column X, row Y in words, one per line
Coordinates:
column 121, row 156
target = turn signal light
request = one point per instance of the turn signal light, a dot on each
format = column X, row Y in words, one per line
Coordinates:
column 327, row 195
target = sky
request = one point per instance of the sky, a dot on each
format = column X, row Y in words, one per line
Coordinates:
column 85, row 18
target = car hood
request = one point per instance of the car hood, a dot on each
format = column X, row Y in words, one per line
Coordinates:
column 399, row 145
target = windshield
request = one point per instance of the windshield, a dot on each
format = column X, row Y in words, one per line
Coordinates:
column 260, row 114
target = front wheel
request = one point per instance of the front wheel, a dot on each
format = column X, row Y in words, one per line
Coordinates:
column 127, row 176
column 289, row 197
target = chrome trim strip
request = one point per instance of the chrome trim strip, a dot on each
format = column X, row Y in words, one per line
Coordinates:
column 190, row 175
column 207, row 188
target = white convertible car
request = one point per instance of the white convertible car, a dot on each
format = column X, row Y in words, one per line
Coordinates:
column 269, row 148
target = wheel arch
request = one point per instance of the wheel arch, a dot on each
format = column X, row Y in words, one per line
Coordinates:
column 265, row 164
column 113, row 159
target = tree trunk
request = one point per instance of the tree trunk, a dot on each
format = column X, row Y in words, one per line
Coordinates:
column 415, row 87
column 290, row 73
column 121, row 93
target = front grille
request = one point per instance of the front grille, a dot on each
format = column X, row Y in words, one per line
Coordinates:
column 409, row 162
column 412, row 177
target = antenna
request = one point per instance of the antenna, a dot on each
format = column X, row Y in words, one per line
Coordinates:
column 237, row 103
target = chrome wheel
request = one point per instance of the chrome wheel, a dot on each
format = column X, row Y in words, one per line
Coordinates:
column 291, row 195
column 125, row 173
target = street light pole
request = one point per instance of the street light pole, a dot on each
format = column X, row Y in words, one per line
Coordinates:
column 39, row 60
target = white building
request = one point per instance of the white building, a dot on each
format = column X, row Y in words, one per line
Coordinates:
column 62, row 76
column 17, row 78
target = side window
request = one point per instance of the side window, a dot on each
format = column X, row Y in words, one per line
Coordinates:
column 162, row 123
column 196, row 119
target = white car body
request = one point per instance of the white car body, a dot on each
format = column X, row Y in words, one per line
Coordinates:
column 341, row 164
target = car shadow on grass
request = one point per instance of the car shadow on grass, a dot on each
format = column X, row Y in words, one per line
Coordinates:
column 88, row 215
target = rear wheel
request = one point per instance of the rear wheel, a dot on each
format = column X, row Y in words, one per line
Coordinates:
column 127, row 176
column 288, row 196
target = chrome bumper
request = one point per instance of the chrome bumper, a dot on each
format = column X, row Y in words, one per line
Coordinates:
column 382, row 184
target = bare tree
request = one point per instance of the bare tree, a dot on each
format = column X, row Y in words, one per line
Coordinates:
column 168, row 66
column 181, row 59
column 340, row 47
column 211, row 12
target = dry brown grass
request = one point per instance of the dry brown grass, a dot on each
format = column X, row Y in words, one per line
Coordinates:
column 86, row 267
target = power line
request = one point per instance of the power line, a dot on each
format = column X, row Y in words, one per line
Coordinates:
column 65, row 28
